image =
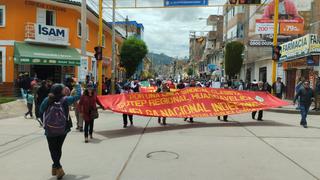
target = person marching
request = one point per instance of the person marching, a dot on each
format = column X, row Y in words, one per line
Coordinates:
column 260, row 87
column 192, row 84
column 88, row 110
column 30, row 99
column 55, row 111
column 127, row 90
column 164, row 88
column 225, row 117
column 306, row 95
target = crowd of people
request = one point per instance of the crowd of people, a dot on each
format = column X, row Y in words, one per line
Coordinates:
column 52, row 103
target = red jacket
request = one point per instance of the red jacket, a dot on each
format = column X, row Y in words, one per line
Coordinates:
column 86, row 105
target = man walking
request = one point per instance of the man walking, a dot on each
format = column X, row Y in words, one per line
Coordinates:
column 278, row 88
column 305, row 94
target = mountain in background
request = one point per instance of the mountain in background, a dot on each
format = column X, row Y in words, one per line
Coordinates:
column 160, row 59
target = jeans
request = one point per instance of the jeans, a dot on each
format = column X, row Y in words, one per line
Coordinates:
column 29, row 105
column 79, row 118
column 55, row 147
column 88, row 127
column 279, row 95
column 304, row 109
column 125, row 119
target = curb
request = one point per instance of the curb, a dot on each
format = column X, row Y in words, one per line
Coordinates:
column 292, row 111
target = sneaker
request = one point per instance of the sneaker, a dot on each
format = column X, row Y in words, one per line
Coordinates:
column 81, row 129
column 91, row 137
column 86, row 140
column 60, row 173
column 185, row 119
column 25, row 116
column 259, row 119
column 124, row 126
column 305, row 126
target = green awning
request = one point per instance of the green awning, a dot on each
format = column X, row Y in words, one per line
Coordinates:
column 25, row 53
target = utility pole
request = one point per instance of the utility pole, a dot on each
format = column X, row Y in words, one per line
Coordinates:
column 83, row 31
column 113, row 47
column 100, row 44
column 275, row 37
column 127, row 21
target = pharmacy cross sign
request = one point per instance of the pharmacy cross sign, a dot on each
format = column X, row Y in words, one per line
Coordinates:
column 186, row 3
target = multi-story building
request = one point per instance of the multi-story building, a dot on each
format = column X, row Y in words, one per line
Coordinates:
column 43, row 38
column 315, row 17
column 213, row 55
column 234, row 24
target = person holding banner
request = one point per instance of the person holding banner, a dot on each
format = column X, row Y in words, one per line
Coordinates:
column 192, row 84
column 164, row 88
column 127, row 89
column 260, row 87
column 225, row 117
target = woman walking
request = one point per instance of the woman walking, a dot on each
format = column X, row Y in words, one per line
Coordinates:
column 88, row 110
column 55, row 110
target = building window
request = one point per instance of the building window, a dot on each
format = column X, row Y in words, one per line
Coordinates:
column 47, row 17
column 2, row 64
column 2, row 16
column 79, row 30
column 50, row 18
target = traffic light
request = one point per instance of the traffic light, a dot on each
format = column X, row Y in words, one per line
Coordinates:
column 98, row 52
column 276, row 53
column 240, row 2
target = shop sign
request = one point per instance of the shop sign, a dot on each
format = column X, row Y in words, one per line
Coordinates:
column 295, row 48
column 314, row 44
column 48, row 34
column 260, row 42
column 51, row 34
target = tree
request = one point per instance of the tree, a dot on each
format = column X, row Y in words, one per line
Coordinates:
column 190, row 71
column 233, row 58
column 132, row 53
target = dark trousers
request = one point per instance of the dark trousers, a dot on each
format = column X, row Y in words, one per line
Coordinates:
column 191, row 119
column 163, row 120
column 304, row 109
column 88, row 127
column 260, row 114
column 279, row 95
column 225, row 117
column 125, row 119
column 29, row 105
column 55, row 147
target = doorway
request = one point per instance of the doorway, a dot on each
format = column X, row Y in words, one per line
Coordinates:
column 43, row 72
column 290, row 83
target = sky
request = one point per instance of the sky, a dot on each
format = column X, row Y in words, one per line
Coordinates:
column 167, row 30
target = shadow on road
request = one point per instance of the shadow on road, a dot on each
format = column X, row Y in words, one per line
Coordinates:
column 131, row 131
column 72, row 177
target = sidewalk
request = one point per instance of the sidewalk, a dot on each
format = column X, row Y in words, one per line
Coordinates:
column 291, row 109
column 243, row 149
column 13, row 109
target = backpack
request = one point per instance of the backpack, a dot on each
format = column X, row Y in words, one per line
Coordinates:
column 55, row 119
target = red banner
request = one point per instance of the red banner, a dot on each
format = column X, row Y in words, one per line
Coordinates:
column 191, row 102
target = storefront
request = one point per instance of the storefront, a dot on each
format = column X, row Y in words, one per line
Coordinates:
column 300, row 59
column 46, row 62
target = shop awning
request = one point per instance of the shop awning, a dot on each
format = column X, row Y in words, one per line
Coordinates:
column 25, row 53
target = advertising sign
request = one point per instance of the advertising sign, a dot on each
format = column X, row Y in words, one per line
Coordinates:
column 296, row 48
column 314, row 44
column 83, row 69
column 191, row 102
column 291, row 28
column 51, row 34
column 264, row 28
column 186, row 2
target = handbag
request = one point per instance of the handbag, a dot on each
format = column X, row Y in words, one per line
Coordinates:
column 94, row 114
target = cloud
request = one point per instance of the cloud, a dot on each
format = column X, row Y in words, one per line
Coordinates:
column 167, row 30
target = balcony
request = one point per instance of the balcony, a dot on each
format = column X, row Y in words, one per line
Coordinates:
column 44, row 34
